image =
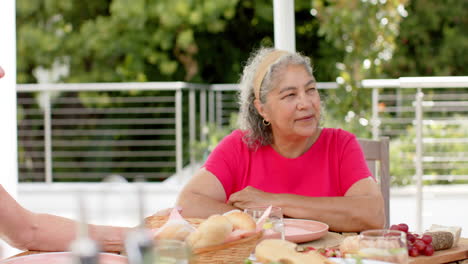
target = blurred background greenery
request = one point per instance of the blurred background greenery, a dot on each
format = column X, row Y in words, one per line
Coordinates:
column 207, row 41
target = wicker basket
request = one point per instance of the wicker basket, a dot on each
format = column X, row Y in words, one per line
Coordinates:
column 228, row 253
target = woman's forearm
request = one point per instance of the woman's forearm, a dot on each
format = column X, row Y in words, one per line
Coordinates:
column 55, row 233
column 43, row 232
column 200, row 206
column 50, row 233
column 13, row 220
column 342, row 214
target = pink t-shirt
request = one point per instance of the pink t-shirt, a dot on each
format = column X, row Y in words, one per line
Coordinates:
column 331, row 165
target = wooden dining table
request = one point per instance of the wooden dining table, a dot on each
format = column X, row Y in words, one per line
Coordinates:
column 455, row 255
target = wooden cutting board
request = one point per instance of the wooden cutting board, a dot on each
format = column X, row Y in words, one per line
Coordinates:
column 443, row 256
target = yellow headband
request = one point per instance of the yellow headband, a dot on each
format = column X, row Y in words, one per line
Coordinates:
column 263, row 68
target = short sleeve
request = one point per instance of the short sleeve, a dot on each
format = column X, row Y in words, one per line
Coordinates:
column 353, row 166
column 223, row 159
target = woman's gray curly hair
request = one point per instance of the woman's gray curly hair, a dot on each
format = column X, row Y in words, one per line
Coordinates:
column 249, row 118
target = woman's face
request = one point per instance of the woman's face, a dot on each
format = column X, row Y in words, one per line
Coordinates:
column 293, row 106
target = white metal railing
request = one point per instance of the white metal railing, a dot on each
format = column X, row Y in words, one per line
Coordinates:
column 50, row 98
column 50, row 114
column 457, row 105
column 55, row 111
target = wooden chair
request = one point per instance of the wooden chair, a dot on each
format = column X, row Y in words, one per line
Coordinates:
column 377, row 153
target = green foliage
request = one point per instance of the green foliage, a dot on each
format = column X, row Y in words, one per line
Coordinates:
column 117, row 40
column 156, row 40
column 433, row 40
column 364, row 32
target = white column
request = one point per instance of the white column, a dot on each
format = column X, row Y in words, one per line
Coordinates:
column 8, row 153
column 419, row 159
column 285, row 31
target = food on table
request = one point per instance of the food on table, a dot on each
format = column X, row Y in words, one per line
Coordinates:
column 219, row 229
column 417, row 245
column 326, row 252
column 455, row 230
column 438, row 237
column 241, row 220
column 273, row 249
column 176, row 231
column 441, row 239
column 176, row 227
column 212, row 231
column 350, row 245
column 282, row 251
column 215, row 230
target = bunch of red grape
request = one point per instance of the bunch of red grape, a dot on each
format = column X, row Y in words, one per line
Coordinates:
column 416, row 245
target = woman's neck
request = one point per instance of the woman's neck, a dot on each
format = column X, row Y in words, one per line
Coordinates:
column 293, row 148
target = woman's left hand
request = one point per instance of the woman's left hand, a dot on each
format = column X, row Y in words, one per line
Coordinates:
column 251, row 197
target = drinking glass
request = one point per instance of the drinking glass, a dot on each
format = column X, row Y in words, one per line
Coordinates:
column 274, row 225
column 383, row 244
column 172, row 252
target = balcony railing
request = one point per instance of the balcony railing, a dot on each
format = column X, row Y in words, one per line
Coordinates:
column 83, row 132
column 89, row 131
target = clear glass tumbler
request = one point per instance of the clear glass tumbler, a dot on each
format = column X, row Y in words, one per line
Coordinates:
column 383, row 244
column 172, row 252
column 274, row 225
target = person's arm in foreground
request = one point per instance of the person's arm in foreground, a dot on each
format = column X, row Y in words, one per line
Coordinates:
column 44, row 232
column 361, row 208
column 203, row 196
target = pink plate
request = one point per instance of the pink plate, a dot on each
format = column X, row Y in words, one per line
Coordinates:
column 300, row 230
column 62, row 258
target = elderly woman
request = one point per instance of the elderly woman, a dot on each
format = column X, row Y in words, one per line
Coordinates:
column 282, row 157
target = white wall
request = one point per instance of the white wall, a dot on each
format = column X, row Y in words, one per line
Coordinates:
column 8, row 163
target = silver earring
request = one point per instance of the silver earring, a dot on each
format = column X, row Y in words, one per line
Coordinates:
column 266, row 123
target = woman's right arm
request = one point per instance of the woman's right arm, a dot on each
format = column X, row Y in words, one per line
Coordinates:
column 24, row 229
column 203, row 196
column 13, row 219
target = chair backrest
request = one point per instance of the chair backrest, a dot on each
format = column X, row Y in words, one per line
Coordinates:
column 377, row 153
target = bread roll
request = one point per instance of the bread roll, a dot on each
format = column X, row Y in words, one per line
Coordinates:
column 177, row 231
column 277, row 250
column 212, row 231
column 241, row 220
column 271, row 250
column 311, row 257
